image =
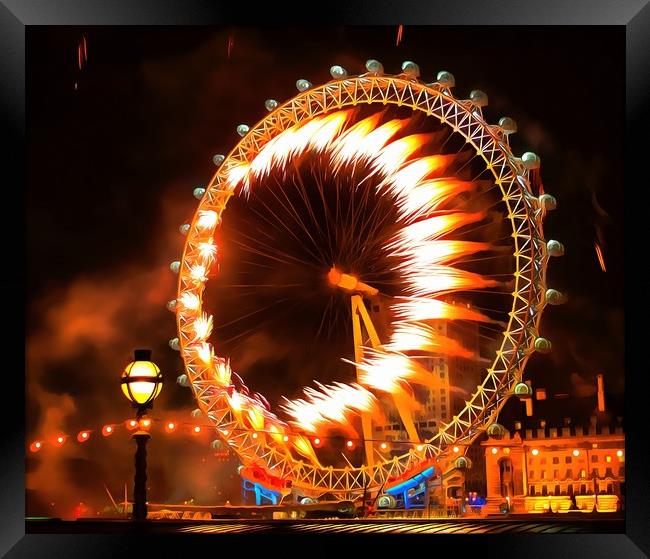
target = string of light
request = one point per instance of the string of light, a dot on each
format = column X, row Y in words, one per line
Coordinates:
column 196, row 428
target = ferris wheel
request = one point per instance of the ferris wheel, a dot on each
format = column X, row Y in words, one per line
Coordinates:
column 400, row 202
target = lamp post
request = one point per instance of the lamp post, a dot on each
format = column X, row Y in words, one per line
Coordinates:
column 141, row 384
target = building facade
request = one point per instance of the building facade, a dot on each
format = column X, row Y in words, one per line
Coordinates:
column 558, row 468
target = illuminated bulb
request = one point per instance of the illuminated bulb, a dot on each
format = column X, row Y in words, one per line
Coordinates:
column 420, row 447
column 131, row 424
column 619, row 453
column 107, row 430
column 225, row 431
column 35, row 446
column 197, row 429
column 383, row 446
column 60, row 439
column 254, row 435
column 317, row 442
column 145, row 423
column 506, row 450
column 456, row 449
column 535, row 452
column 349, row 444
column 83, row 436
column 285, row 438
column 494, row 450
column 171, row 426
column 576, row 452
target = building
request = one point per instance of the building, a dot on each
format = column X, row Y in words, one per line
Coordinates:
column 568, row 456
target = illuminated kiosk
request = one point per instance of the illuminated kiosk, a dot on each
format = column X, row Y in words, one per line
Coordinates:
column 328, row 122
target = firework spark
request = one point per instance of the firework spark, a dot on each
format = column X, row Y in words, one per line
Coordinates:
column 601, row 259
column 400, row 33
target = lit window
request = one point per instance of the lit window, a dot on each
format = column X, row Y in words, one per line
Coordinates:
column 608, row 458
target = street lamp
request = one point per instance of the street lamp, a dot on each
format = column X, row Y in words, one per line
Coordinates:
column 141, row 384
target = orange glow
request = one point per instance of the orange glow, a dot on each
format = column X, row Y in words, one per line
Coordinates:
column 170, row 427
column 400, row 32
column 576, row 452
column 316, row 442
column 317, row 134
column 456, row 449
column 189, row 300
column 619, row 453
column 426, row 197
column 254, row 435
column 303, row 446
column 349, row 282
column 383, row 446
column 422, row 309
column 83, row 436
column 204, row 352
column 388, row 371
column 494, row 450
column 535, row 452
column 207, row 219
column 349, row 445
column 60, row 440
column 131, row 424
column 222, row 372
column 329, row 406
column 145, row 423
column 107, row 430
column 196, row 429
column 202, row 327
column 420, row 448
column 285, row 438
column 256, row 417
column 408, row 337
column 35, row 446
column 207, row 250
column 198, row 271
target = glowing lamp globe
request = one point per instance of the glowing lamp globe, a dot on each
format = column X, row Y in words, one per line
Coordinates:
column 142, row 379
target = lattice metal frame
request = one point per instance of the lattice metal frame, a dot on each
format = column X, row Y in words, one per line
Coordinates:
column 528, row 298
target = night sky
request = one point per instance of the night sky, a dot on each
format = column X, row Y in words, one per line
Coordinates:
column 116, row 148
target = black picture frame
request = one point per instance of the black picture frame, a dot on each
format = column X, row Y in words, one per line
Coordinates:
column 634, row 15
